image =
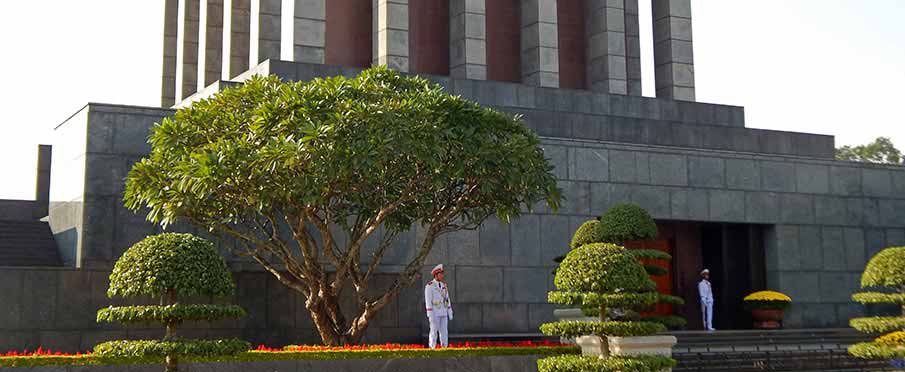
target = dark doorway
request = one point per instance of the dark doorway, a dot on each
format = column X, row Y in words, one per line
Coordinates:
column 734, row 254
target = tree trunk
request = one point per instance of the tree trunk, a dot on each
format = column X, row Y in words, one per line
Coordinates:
column 172, row 362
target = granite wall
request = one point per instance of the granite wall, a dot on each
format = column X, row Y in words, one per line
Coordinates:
column 682, row 161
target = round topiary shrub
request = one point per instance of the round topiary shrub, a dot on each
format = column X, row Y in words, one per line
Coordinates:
column 169, row 267
column 606, row 277
column 626, row 222
column 885, row 270
column 587, row 233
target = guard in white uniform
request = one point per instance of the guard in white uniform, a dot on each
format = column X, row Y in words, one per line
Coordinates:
column 706, row 293
column 438, row 307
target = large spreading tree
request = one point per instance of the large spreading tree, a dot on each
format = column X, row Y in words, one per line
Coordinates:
column 298, row 176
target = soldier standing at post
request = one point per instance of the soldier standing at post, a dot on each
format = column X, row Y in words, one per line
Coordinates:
column 438, row 307
column 706, row 293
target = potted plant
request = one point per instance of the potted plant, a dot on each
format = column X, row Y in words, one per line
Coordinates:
column 885, row 271
column 610, row 279
column 767, row 308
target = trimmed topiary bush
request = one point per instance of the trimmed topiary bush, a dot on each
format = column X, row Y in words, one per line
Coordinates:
column 169, row 267
column 885, row 270
column 612, row 280
column 626, row 222
column 589, row 232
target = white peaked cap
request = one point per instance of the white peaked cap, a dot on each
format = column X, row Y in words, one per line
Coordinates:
column 437, row 269
column 705, row 271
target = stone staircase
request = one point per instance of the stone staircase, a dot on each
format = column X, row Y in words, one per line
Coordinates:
column 27, row 243
column 780, row 350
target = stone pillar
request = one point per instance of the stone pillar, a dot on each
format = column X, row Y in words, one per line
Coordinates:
column 264, row 33
column 236, row 23
column 391, row 33
column 606, row 57
column 187, row 49
column 170, row 36
column 42, row 184
column 540, row 43
column 632, row 48
column 673, row 55
column 304, row 31
column 210, row 42
column 467, row 39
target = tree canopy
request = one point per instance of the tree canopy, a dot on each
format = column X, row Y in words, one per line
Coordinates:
column 298, row 175
column 881, row 150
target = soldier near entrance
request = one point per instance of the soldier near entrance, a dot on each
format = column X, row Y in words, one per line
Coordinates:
column 438, row 308
column 706, row 293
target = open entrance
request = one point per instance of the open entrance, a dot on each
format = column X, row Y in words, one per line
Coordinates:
column 734, row 253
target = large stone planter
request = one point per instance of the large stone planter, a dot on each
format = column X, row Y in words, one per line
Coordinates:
column 571, row 314
column 648, row 345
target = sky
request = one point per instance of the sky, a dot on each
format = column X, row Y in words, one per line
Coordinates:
column 832, row 67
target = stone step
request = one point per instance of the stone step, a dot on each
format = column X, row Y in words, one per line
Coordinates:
column 27, row 243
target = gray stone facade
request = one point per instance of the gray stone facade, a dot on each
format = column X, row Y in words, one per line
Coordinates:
column 682, row 161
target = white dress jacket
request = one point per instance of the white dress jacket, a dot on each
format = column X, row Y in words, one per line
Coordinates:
column 436, row 299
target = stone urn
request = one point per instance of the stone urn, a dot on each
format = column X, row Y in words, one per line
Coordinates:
column 767, row 318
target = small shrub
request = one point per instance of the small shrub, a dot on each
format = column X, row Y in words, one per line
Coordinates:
column 601, row 268
column 626, row 222
column 886, row 270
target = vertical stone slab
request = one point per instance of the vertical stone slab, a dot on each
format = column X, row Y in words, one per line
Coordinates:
column 210, row 42
column 540, row 43
column 170, row 36
column 236, row 32
column 673, row 54
column 264, row 32
column 391, row 34
column 632, row 48
column 187, row 49
column 304, row 31
column 467, row 39
column 606, row 37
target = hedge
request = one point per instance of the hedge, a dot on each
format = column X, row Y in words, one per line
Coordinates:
column 885, row 269
column 669, row 321
column 579, row 363
column 601, row 268
column 652, row 254
column 879, row 298
column 187, row 264
column 618, row 300
column 871, row 350
column 575, row 328
column 256, row 356
column 157, row 348
column 878, row 324
column 164, row 314
column 627, row 222
column 671, row 300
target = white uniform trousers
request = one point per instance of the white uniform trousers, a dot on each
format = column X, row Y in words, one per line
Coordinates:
column 438, row 325
column 707, row 313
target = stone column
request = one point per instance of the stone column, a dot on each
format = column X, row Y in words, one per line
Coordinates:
column 467, row 39
column 632, row 48
column 170, row 36
column 304, row 31
column 264, row 32
column 673, row 55
column 187, row 49
column 391, row 33
column 42, row 184
column 210, row 42
column 236, row 23
column 540, row 43
column 606, row 56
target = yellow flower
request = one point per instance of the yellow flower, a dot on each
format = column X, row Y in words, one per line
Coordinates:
column 767, row 296
column 893, row 339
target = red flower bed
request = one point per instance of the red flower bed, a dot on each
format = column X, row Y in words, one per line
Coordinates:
column 39, row 352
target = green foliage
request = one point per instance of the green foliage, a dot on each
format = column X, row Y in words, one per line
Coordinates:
column 873, row 350
column 615, row 300
column 650, row 254
column 176, row 313
column 627, row 222
column 670, row 300
column 882, row 150
column 601, row 268
column 669, row 321
column 879, row 298
column 587, row 233
column 574, row 328
column 885, row 269
column 770, row 305
column 878, row 324
column 655, row 270
column 181, row 262
column 580, row 363
column 255, row 356
column 157, row 348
